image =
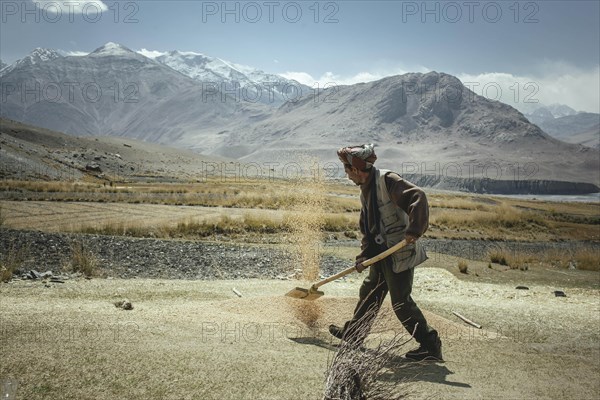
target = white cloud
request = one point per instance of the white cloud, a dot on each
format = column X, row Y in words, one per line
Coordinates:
column 151, row 53
column 190, row 53
column 330, row 78
column 75, row 53
column 66, row 8
column 301, row 77
column 555, row 83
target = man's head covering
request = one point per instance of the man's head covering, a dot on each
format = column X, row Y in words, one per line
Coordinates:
column 361, row 157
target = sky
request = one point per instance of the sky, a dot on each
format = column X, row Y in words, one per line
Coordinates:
column 519, row 52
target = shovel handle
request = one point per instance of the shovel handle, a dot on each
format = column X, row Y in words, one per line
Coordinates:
column 366, row 263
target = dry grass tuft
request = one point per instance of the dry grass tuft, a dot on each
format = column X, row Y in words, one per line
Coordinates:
column 513, row 259
column 457, row 202
column 584, row 258
column 11, row 260
column 587, row 259
column 498, row 256
column 340, row 223
column 2, row 217
column 82, row 260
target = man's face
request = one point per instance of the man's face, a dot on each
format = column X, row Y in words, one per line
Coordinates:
column 354, row 174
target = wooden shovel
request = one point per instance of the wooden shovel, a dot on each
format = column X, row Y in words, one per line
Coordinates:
column 313, row 293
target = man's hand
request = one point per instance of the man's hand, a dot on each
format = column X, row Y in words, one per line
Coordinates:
column 410, row 238
column 359, row 264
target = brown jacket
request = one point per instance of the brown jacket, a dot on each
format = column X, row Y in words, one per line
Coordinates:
column 410, row 198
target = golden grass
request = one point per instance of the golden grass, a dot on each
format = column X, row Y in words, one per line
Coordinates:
column 82, row 260
column 263, row 194
column 340, row 223
column 463, row 267
column 583, row 258
column 587, row 259
column 503, row 216
column 225, row 225
column 455, row 216
column 11, row 259
column 457, row 202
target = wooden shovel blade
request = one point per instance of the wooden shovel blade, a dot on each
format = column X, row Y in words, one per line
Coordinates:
column 304, row 294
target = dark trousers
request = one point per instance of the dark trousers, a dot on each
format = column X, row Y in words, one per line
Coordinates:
column 381, row 280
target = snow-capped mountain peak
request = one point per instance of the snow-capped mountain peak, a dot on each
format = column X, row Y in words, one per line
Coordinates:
column 36, row 56
column 111, row 49
column 560, row 110
column 40, row 54
column 256, row 85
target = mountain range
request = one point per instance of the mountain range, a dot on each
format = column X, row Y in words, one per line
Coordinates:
column 238, row 80
column 423, row 124
column 566, row 124
column 247, row 83
column 113, row 91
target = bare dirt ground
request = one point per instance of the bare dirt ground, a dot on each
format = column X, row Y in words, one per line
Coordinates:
column 198, row 340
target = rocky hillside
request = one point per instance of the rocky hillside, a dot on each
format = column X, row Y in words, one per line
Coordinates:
column 423, row 124
column 30, row 153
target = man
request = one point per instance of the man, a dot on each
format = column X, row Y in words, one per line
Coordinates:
column 393, row 209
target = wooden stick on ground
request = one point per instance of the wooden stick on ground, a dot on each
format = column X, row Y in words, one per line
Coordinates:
column 468, row 321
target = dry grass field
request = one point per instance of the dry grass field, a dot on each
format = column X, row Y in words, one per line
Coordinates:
column 137, row 206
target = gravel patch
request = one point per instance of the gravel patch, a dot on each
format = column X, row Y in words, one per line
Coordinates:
column 479, row 249
column 125, row 257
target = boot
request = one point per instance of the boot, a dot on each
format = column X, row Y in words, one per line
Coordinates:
column 427, row 352
column 349, row 337
column 336, row 331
